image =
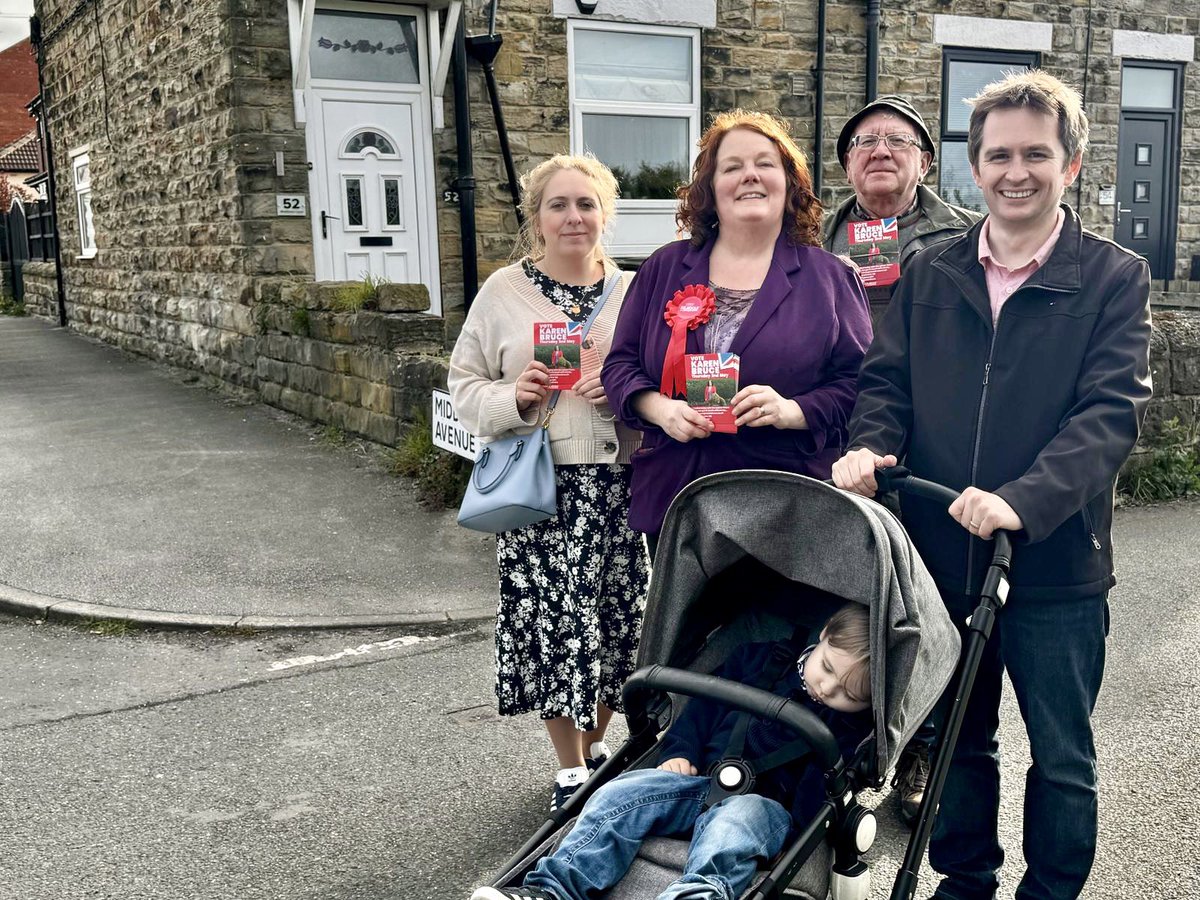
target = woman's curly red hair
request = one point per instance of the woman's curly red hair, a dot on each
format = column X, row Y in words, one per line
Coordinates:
column 698, row 205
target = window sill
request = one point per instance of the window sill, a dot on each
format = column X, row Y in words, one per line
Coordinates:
column 87, row 254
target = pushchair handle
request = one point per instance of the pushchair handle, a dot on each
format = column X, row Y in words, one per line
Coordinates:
column 899, row 478
column 757, row 702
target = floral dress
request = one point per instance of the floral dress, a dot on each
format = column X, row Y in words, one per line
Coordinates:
column 572, row 587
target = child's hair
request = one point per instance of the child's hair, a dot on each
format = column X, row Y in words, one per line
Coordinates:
column 849, row 630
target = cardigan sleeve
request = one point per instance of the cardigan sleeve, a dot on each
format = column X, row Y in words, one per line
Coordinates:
column 827, row 408
column 484, row 396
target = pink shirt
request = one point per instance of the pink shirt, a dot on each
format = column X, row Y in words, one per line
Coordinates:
column 1002, row 281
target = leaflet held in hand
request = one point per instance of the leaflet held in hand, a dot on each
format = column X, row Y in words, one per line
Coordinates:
column 558, row 344
column 875, row 248
column 712, row 380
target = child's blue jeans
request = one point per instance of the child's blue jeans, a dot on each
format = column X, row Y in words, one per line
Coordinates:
column 727, row 838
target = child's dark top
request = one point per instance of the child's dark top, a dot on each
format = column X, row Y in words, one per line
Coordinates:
column 702, row 733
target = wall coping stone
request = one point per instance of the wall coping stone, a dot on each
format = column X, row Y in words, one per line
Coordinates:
column 402, row 298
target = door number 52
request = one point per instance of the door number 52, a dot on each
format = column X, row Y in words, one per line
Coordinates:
column 290, row 205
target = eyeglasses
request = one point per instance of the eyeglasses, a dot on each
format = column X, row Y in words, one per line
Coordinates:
column 869, row 142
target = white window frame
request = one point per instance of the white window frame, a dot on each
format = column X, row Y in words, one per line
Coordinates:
column 81, row 157
column 642, row 226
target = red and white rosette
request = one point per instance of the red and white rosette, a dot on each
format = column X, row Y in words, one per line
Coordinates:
column 690, row 308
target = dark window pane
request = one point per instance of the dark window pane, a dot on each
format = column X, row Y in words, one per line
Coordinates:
column 354, row 207
column 366, row 139
column 955, row 182
column 648, row 154
column 391, row 200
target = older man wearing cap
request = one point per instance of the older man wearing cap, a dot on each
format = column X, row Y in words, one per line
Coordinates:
column 886, row 150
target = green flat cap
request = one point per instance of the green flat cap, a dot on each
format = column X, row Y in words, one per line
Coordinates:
column 890, row 103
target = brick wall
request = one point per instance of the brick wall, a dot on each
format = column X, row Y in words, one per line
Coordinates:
column 18, row 85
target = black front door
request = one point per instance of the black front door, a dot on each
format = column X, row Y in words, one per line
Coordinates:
column 1143, row 188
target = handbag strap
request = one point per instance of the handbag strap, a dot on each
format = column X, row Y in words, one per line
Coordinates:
column 587, row 326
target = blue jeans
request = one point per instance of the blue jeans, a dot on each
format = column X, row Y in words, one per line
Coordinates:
column 727, row 838
column 1054, row 653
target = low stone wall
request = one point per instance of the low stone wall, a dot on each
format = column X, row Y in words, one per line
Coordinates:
column 1175, row 367
column 41, row 289
column 368, row 372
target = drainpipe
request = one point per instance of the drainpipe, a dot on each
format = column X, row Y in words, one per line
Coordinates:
column 484, row 49
column 35, row 36
column 872, row 16
column 819, row 102
column 466, row 169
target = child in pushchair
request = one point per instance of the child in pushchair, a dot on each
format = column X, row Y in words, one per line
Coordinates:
column 776, row 785
column 730, row 831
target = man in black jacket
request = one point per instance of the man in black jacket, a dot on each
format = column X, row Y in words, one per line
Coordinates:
column 1013, row 365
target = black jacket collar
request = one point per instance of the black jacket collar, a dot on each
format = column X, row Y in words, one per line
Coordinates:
column 1062, row 271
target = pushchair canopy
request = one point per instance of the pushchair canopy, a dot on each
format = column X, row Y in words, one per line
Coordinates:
column 756, row 542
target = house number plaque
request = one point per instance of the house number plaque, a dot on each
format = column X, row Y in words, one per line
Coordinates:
column 290, row 205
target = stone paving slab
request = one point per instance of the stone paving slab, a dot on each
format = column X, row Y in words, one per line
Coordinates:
column 126, row 493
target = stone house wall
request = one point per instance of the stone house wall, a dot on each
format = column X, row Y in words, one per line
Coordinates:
column 761, row 55
column 184, row 105
column 181, row 107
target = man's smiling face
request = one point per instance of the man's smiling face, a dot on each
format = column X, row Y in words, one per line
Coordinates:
column 1022, row 167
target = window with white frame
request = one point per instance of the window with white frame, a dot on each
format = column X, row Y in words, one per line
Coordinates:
column 964, row 74
column 635, row 104
column 81, row 172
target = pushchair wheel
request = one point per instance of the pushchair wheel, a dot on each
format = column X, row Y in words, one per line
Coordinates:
column 863, row 826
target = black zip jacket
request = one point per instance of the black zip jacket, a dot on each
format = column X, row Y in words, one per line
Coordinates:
column 1042, row 410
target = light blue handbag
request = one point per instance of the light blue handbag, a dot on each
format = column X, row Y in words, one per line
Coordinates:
column 512, row 484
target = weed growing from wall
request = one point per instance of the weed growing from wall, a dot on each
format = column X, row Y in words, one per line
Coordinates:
column 10, row 307
column 441, row 477
column 301, row 323
column 1169, row 470
column 356, row 295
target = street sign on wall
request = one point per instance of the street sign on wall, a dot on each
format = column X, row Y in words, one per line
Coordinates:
column 448, row 432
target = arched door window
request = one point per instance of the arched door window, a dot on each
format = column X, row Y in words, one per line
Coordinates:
column 369, row 141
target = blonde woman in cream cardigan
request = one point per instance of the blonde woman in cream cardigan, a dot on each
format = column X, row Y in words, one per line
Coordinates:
column 572, row 588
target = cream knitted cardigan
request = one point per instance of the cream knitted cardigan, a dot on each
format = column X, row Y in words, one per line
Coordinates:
column 495, row 346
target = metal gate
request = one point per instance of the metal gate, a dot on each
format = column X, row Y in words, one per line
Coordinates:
column 14, row 243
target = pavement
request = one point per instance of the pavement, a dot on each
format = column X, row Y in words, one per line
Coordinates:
column 128, row 493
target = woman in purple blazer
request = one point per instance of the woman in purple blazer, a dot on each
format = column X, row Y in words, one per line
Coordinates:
column 795, row 315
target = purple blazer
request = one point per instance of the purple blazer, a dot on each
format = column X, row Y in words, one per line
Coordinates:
column 805, row 335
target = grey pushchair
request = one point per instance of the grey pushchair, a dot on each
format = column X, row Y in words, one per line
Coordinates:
column 751, row 556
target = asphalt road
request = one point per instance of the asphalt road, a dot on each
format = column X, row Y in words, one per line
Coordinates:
column 372, row 764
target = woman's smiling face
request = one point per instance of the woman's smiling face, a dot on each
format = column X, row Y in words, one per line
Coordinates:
column 749, row 183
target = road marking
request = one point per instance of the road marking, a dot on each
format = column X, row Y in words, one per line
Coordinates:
column 361, row 650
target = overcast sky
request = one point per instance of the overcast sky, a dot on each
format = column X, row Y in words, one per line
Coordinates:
column 14, row 21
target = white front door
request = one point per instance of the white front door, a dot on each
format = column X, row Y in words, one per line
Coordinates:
column 369, row 131
column 371, row 220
